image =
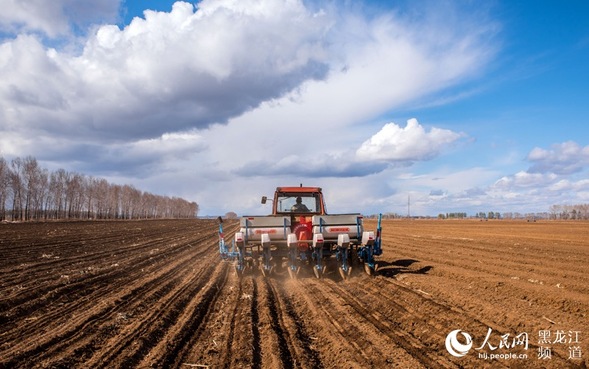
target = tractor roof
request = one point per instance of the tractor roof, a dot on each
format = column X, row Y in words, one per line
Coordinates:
column 298, row 189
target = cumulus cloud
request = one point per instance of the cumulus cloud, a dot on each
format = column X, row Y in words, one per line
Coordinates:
column 167, row 152
column 412, row 143
column 310, row 166
column 391, row 145
column 563, row 158
column 556, row 177
column 131, row 160
column 56, row 17
column 551, row 170
column 165, row 72
column 526, row 179
column 193, row 67
column 139, row 159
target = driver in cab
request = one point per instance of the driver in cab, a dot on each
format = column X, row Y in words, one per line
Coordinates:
column 299, row 206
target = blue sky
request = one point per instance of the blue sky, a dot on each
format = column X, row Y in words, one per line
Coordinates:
column 464, row 106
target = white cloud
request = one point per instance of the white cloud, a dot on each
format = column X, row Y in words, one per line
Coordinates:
column 189, row 69
column 562, row 185
column 563, row 158
column 523, row 179
column 393, row 143
column 268, row 92
column 551, row 170
column 536, row 190
column 167, row 72
column 169, row 152
column 308, row 165
column 56, row 17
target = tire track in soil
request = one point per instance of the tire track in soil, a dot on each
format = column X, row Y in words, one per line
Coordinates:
column 335, row 338
column 191, row 329
column 238, row 329
column 131, row 349
column 281, row 339
column 257, row 349
column 310, row 355
column 276, row 314
column 126, row 340
column 227, row 356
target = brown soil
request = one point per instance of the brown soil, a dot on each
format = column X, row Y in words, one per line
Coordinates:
column 141, row 294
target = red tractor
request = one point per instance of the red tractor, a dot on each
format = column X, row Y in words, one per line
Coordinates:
column 300, row 230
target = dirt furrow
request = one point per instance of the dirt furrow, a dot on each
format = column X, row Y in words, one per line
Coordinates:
column 327, row 335
column 137, row 340
column 284, row 342
column 482, row 283
column 399, row 316
column 191, row 324
column 83, row 328
column 256, row 341
column 236, row 305
column 41, row 281
column 72, row 296
column 227, row 338
column 303, row 345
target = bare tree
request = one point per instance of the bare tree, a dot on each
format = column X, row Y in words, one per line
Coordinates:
column 40, row 193
column 17, row 186
column 101, row 190
column 4, row 183
column 35, row 183
column 57, row 187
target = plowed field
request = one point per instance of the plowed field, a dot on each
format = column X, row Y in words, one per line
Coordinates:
column 142, row 294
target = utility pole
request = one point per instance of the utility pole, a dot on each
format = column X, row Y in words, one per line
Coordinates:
column 409, row 206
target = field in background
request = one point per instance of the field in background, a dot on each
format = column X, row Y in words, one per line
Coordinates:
column 155, row 294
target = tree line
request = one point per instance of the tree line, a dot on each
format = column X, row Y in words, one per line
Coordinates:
column 29, row 192
column 578, row 211
column 556, row 212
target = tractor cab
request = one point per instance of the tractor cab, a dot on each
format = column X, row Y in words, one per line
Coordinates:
column 301, row 204
column 297, row 201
